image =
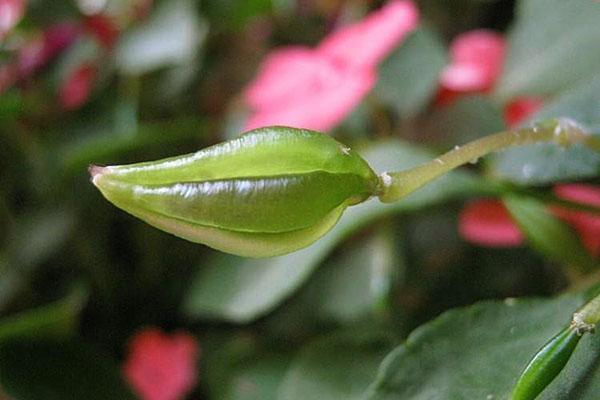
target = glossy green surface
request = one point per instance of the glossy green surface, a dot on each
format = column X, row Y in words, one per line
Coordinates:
column 546, row 365
column 271, row 191
column 268, row 205
column 262, row 152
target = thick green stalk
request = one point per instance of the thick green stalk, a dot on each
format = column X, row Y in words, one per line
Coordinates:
column 563, row 132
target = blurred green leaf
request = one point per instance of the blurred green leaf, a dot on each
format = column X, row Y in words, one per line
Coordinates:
column 59, row 370
column 546, row 163
column 479, row 352
column 339, row 366
column 466, row 119
column 547, row 234
column 236, row 13
column 256, row 379
column 83, row 51
column 358, row 281
column 241, row 367
column 171, row 37
column 11, row 105
column 54, row 319
column 75, row 156
column 409, row 78
column 354, row 284
column 552, row 45
column 240, row 290
column 36, row 237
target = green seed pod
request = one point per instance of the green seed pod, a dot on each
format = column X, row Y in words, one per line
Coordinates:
column 271, row 191
column 546, row 364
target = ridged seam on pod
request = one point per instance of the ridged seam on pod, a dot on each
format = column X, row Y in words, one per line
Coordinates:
column 271, row 191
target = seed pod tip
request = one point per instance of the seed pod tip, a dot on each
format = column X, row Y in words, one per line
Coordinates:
column 95, row 171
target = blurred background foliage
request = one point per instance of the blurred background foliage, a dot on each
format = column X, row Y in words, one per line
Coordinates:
column 140, row 80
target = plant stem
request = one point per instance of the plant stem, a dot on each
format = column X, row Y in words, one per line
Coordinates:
column 563, row 132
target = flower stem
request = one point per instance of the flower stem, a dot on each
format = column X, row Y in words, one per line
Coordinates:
column 563, row 132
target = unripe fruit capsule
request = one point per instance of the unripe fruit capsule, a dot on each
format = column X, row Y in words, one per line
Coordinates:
column 546, row 364
column 271, row 191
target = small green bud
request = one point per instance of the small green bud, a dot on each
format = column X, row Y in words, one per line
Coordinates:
column 546, row 364
column 271, row 191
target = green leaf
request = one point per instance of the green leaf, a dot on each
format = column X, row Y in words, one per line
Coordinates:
column 55, row 319
column 241, row 290
column 339, row 366
column 466, row 119
column 73, row 157
column 242, row 367
column 35, row 238
column 547, row 234
column 38, row 235
column 479, row 352
column 11, row 105
column 547, row 163
column 59, row 370
column 553, row 44
column 358, row 281
column 256, row 379
column 409, row 78
column 236, row 13
column 172, row 36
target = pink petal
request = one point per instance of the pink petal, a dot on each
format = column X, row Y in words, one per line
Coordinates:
column 520, row 109
column 76, row 89
column 58, row 37
column 316, row 89
column 322, row 106
column 283, row 75
column 586, row 224
column 11, row 12
column 368, row 42
column 161, row 366
column 37, row 53
column 488, row 223
column 464, row 78
column 476, row 61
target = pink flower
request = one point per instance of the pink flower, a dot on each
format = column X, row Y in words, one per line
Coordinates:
column 488, row 223
column 38, row 53
column 586, row 224
column 297, row 87
column 366, row 43
column 161, row 366
column 317, row 88
column 76, row 89
column 11, row 12
column 476, row 59
column 520, row 109
column 35, row 54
